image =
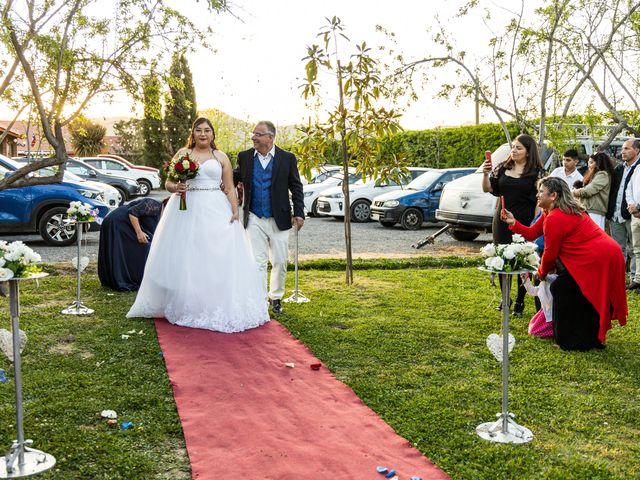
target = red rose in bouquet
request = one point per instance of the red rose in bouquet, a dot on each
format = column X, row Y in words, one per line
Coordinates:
column 180, row 169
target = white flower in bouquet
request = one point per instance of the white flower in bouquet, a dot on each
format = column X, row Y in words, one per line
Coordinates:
column 5, row 274
column 17, row 258
column 510, row 252
column 81, row 212
column 533, row 259
column 519, row 255
column 494, row 263
column 489, row 250
column 517, row 238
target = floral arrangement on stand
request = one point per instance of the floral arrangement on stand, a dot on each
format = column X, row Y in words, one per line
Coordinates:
column 81, row 212
column 519, row 255
column 180, row 169
column 17, row 260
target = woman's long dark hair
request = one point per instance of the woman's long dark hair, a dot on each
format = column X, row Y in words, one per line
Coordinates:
column 533, row 164
column 191, row 141
column 602, row 162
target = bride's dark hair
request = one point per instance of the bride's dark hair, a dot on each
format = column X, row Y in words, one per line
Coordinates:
column 191, row 141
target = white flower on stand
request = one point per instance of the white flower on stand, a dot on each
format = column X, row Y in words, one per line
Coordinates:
column 5, row 274
column 519, row 255
column 517, row 238
column 489, row 250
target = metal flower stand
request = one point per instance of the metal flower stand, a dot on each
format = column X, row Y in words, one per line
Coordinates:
column 21, row 461
column 505, row 429
column 77, row 308
column 297, row 296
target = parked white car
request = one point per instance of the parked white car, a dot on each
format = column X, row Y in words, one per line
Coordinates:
column 313, row 190
column 319, row 175
column 146, row 178
column 361, row 194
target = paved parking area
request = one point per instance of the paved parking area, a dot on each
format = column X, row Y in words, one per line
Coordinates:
column 320, row 238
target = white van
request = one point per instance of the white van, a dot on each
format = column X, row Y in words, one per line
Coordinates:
column 469, row 211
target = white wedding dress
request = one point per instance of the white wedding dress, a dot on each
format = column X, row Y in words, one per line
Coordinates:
column 200, row 272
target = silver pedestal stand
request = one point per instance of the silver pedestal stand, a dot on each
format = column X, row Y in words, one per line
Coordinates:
column 297, row 296
column 505, row 429
column 77, row 308
column 21, row 461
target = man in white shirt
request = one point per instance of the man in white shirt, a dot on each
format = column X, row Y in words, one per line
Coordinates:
column 568, row 171
column 631, row 152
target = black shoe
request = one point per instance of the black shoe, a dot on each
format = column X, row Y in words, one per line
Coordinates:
column 633, row 285
column 518, row 308
column 276, row 306
column 499, row 307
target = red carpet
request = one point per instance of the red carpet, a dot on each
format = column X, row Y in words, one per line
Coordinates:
column 246, row 415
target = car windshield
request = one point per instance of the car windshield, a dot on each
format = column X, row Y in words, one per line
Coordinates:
column 424, row 180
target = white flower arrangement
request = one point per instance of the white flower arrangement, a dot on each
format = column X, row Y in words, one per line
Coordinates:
column 17, row 260
column 82, row 212
column 519, row 255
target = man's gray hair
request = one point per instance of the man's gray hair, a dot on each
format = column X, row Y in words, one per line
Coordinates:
column 635, row 144
column 271, row 128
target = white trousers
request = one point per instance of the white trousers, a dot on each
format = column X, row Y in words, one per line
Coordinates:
column 269, row 244
column 599, row 219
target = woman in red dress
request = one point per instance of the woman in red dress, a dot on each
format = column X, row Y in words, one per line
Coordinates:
column 590, row 289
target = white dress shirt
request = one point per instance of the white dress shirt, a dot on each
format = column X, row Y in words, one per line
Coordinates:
column 572, row 178
column 632, row 193
column 264, row 160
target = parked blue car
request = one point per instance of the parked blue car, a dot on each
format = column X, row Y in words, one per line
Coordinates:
column 417, row 202
column 42, row 208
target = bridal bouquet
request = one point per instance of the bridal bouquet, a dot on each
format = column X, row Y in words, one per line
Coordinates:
column 82, row 212
column 519, row 255
column 17, row 260
column 180, row 169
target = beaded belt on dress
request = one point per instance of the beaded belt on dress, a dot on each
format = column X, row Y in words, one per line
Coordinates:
column 203, row 189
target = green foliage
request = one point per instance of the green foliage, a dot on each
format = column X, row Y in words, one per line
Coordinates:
column 87, row 137
column 181, row 109
column 447, row 147
column 156, row 151
column 131, row 145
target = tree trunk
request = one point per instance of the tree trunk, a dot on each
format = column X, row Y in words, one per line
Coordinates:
column 345, row 184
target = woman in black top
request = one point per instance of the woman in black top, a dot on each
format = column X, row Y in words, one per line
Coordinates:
column 515, row 182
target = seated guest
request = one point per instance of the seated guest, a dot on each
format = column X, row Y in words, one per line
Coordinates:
column 125, row 237
column 594, row 194
column 590, row 288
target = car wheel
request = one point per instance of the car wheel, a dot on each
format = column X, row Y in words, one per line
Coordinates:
column 412, row 219
column 314, row 209
column 122, row 196
column 360, row 211
column 464, row 236
column 145, row 187
column 388, row 224
column 54, row 230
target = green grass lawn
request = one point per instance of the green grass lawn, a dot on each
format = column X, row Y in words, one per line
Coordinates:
column 410, row 342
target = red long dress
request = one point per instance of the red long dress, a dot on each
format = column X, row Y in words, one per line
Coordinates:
column 592, row 258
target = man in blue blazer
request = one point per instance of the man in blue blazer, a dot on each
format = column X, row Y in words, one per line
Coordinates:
column 267, row 175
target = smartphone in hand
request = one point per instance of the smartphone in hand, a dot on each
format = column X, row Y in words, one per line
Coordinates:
column 488, row 165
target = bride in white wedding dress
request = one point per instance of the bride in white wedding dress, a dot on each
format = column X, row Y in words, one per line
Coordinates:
column 200, row 272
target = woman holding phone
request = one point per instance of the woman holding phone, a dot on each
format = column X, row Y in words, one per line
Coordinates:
column 514, row 182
